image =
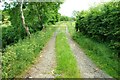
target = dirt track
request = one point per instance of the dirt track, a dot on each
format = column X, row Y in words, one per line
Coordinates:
column 86, row 66
column 46, row 62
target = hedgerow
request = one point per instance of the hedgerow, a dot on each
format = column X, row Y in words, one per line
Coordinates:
column 102, row 23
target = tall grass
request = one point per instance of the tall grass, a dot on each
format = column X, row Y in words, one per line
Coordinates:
column 18, row 57
column 66, row 62
column 100, row 53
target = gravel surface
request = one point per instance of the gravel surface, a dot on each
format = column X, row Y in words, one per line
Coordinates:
column 46, row 63
column 86, row 66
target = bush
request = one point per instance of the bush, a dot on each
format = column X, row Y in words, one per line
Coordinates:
column 11, row 35
column 102, row 24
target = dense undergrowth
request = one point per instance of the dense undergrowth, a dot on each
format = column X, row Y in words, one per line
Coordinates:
column 99, row 52
column 66, row 62
column 19, row 56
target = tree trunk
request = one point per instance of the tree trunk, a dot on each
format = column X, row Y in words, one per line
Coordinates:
column 23, row 19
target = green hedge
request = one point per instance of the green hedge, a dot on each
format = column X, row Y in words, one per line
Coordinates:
column 102, row 23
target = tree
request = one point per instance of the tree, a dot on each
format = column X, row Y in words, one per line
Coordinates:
column 75, row 13
column 23, row 19
column 28, row 18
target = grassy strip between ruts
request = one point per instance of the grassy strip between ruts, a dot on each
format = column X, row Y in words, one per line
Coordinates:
column 17, row 58
column 66, row 62
column 98, row 52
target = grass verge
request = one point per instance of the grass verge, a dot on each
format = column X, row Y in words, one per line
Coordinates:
column 17, row 58
column 66, row 62
column 101, row 55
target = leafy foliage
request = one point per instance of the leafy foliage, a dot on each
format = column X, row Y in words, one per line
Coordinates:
column 37, row 16
column 19, row 56
column 102, row 23
column 66, row 18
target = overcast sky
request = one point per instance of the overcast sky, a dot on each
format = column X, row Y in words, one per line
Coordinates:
column 69, row 6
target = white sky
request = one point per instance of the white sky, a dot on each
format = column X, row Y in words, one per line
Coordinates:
column 69, row 6
column 2, row 3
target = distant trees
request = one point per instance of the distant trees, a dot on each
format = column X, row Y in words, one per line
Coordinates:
column 75, row 13
column 66, row 18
